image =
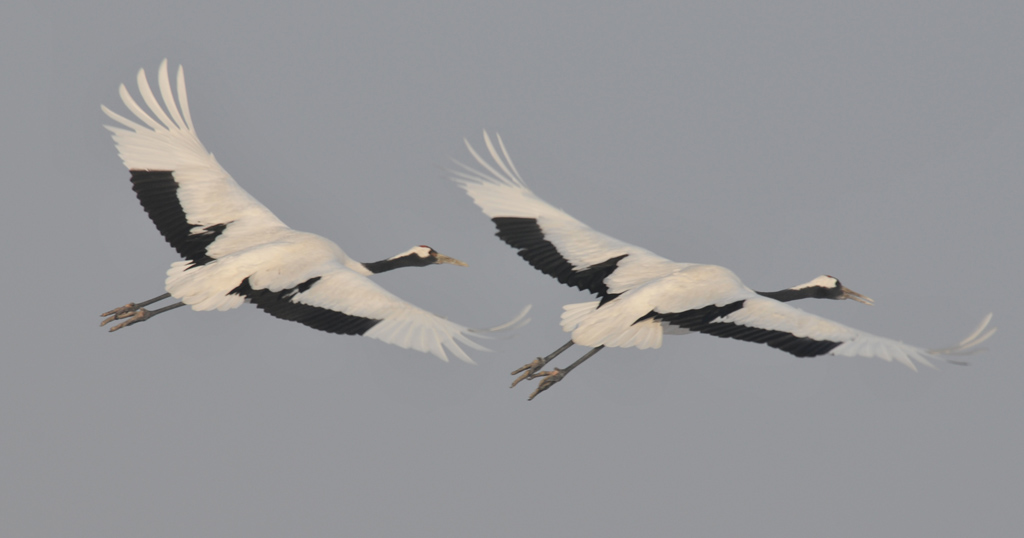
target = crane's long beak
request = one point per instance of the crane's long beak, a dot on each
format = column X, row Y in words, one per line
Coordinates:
column 441, row 258
column 850, row 294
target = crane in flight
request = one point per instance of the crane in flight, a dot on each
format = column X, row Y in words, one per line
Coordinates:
column 642, row 296
column 235, row 250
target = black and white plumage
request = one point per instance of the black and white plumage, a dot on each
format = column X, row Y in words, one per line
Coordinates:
column 236, row 250
column 643, row 296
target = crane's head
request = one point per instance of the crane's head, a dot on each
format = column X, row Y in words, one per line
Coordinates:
column 829, row 287
column 418, row 256
column 823, row 287
column 423, row 255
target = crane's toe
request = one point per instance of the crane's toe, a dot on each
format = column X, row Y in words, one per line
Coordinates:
column 120, row 312
column 550, row 378
column 529, row 371
column 133, row 317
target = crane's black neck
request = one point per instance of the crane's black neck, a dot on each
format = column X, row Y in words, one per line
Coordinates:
column 809, row 292
column 409, row 260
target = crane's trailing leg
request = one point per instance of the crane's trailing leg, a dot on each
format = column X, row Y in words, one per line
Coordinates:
column 556, row 375
column 122, row 312
column 134, row 312
column 530, row 370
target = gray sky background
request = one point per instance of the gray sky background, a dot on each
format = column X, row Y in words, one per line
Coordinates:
column 880, row 142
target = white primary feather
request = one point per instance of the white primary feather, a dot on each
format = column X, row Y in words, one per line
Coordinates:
column 503, row 194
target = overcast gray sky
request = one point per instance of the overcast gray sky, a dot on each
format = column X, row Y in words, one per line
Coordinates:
column 880, row 142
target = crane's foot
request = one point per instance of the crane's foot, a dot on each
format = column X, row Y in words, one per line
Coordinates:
column 131, row 312
column 550, row 378
column 529, row 371
column 120, row 312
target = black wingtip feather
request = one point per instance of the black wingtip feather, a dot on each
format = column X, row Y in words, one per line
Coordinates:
column 527, row 237
column 279, row 304
column 157, row 191
column 704, row 320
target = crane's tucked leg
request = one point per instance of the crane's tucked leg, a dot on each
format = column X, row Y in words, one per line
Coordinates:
column 134, row 312
column 530, row 370
column 556, row 375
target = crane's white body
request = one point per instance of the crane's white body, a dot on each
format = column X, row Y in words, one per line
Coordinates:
column 249, row 241
column 645, row 291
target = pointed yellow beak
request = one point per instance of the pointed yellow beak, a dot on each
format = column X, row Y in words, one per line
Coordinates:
column 441, row 258
column 850, row 294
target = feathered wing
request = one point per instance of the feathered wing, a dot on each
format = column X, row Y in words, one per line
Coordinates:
column 186, row 193
column 779, row 325
column 340, row 301
column 549, row 239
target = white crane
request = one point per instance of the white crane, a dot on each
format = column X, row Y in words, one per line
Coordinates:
column 236, row 250
column 642, row 296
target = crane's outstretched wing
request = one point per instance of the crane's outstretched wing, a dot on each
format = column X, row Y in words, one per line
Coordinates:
column 779, row 325
column 340, row 301
column 550, row 239
column 189, row 197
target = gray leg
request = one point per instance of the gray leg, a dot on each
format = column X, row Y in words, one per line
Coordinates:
column 529, row 370
column 134, row 312
column 556, row 374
